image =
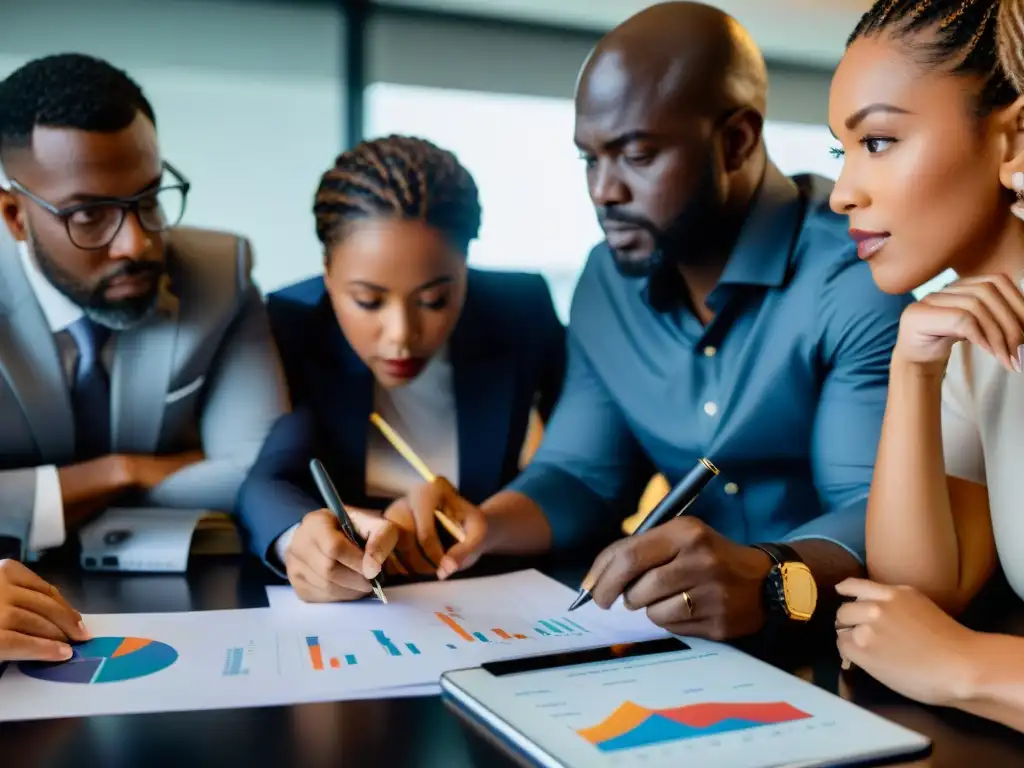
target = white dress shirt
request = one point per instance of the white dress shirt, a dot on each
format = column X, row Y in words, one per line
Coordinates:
column 47, row 529
column 423, row 413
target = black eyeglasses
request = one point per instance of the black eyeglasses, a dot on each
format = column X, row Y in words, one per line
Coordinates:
column 94, row 225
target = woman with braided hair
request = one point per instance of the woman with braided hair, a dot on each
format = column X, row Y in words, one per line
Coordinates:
column 453, row 359
column 927, row 107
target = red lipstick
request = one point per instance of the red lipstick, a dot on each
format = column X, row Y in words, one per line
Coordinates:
column 404, row 368
column 869, row 243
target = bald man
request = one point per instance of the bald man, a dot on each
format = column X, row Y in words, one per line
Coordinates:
column 726, row 316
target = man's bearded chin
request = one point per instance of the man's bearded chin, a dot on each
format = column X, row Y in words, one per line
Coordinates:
column 684, row 240
column 118, row 314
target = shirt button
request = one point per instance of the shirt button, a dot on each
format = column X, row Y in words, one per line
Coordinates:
column 709, row 351
column 732, row 489
column 710, row 408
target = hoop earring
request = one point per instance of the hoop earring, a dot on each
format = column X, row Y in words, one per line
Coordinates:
column 1018, row 186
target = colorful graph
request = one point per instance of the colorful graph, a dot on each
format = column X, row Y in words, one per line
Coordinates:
column 632, row 726
column 106, row 660
column 452, row 622
column 316, row 655
column 544, row 628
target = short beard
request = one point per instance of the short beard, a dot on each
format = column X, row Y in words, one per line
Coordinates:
column 117, row 315
column 685, row 239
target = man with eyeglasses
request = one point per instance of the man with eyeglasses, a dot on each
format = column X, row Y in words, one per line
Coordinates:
column 135, row 355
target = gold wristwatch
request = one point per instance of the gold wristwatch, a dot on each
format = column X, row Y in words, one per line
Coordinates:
column 790, row 592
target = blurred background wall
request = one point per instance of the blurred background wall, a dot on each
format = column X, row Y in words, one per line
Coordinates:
column 254, row 98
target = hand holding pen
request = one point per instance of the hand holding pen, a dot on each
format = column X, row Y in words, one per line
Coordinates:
column 327, row 564
column 370, row 565
column 674, row 504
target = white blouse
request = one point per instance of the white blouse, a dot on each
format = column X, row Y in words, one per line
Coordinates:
column 983, row 442
column 423, row 413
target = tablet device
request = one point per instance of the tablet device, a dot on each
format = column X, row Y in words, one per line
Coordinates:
column 670, row 702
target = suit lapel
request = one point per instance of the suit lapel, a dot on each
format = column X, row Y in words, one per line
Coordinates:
column 30, row 362
column 484, row 394
column 140, row 378
column 346, row 389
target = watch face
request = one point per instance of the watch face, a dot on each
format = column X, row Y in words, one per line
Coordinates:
column 800, row 591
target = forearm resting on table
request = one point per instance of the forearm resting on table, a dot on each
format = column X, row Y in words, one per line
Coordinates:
column 911, row 534
column 994, row 684
column 516, row 525
column 89, row 486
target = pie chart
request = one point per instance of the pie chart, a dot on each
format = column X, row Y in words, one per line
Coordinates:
column 105, row 660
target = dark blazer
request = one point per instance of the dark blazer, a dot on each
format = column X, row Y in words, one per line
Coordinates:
column 508, row 356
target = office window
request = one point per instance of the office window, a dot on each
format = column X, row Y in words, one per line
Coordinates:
column 248, row 100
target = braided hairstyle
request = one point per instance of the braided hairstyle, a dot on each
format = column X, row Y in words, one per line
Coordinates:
column 965, row 35
column 398, row 177
column 1011, row 41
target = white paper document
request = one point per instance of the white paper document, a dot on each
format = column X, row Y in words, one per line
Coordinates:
column 293, row 652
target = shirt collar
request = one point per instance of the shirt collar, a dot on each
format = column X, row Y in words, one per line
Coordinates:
column 762, row 252
column 59, row 310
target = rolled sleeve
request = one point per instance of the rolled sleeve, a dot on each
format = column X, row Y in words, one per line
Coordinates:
column 587, row 471
column 860, row 328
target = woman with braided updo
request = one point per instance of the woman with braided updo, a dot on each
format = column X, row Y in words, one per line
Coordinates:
column 453, row 359
column 927, row 107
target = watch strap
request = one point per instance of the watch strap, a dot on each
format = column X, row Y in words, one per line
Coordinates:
column 779, row 553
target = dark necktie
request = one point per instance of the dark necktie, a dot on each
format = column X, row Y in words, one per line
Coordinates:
column 90, row 394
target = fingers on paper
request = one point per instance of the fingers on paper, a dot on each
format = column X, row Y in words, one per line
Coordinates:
column 17, row 646
column 54, row 614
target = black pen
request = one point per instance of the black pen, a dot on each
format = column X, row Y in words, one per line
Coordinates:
column 676, row 501
column 331, row 498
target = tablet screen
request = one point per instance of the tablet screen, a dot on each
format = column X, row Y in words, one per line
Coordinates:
column 668, row 703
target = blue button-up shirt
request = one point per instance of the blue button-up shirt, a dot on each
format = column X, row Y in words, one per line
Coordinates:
column 783, row 391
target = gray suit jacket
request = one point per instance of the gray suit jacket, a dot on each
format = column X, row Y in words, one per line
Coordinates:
column 201, row 373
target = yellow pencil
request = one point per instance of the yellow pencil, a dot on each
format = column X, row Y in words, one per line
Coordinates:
column 420, row 466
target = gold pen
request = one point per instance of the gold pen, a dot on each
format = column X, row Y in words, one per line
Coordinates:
column 421, row 468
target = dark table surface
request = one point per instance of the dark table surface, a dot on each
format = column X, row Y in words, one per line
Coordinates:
column 417, row 732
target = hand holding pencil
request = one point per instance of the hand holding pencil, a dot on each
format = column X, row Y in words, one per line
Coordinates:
column 436, row 501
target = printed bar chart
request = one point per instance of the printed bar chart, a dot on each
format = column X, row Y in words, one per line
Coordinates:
column 577, row 626
column 335, row 663
column 413, row 648
column 233, row 663
column 502, row 633
column 316, row 656
column 454, row 626
column 385, row 642
column 481, row 637
column 350, row 659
